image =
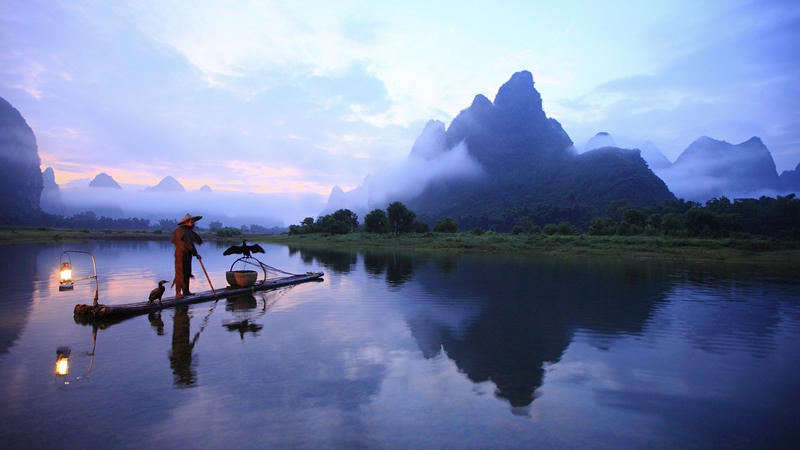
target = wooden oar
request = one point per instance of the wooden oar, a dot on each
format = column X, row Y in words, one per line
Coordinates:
column 207, row 277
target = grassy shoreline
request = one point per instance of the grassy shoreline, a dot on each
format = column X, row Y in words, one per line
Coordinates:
column 753, row 250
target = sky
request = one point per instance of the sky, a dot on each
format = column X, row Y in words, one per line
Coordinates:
column 289, row 99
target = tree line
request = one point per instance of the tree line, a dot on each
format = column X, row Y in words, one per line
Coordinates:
column 397, row 220
column 717, row 218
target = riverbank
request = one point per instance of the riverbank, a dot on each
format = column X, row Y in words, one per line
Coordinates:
column 742, row 250
column 757, row 250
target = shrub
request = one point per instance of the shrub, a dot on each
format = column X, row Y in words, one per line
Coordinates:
column 550, row 229
column 517, row 230
column 447, row 226
column 603, row 226
column 635, row 217
column 567, row 229
column 228, row 232
column 629, row 229
column 376, row 222
column 420, row 227
column 478, row 231
column 671, row 223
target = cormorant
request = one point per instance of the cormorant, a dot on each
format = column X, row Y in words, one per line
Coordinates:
column 157, row 292
column 243, row 249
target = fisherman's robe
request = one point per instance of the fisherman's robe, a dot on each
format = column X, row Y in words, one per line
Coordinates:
column 184, row 238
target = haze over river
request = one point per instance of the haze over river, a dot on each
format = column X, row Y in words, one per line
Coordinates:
column 403, row 350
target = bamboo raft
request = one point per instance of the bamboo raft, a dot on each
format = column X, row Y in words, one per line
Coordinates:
column 143, row 307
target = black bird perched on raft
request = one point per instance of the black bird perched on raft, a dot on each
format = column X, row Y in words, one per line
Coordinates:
column 243, row 249
column 157, row 292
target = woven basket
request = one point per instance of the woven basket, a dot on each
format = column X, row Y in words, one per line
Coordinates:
column 241, row 278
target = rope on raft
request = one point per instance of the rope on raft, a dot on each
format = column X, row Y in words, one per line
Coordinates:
column 262, row 266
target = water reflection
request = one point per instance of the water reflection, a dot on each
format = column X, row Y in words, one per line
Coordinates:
column 398, row 267
column 155, row 321
column 242, row 308
column 337, row 261
column 17, row 275
column 183, row 367
column 399, row 349
column 507, row 319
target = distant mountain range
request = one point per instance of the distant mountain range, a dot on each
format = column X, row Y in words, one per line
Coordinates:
column 167, row 184
column 529, row 169
column 709, row 168
column 103, row 180
column 515, row 165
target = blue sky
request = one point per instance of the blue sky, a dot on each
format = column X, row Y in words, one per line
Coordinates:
column 295, row 97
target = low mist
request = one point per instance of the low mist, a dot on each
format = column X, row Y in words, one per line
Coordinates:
column 429, row 161
column 230, row 208
column 709, row 168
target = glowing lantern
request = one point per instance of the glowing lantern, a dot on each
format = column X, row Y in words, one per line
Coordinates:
column 66, row 282
column 62, row 361
column 66, row 277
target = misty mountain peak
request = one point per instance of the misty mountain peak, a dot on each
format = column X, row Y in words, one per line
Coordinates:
column 49, row 179
column 518, row 97
column 480, row 102
column 51, row 201
column 431, row 142
column 167, row 184
column 710, row 168
column 103, row 180
column 205, row 188
column 791, row 180
column 21, row 183
column 655, row 159
column 599, row 140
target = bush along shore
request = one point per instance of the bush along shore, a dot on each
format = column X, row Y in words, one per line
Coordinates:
column 764, row 230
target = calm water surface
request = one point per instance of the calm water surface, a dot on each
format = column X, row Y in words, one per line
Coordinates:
column 404, row 350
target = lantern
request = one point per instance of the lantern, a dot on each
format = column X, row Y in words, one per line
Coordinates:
column 66, row 277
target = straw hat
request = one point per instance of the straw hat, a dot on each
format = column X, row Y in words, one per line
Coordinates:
column 189, row 217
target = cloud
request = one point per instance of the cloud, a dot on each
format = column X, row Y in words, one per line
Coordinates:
column 428, row 162
column 734, row 78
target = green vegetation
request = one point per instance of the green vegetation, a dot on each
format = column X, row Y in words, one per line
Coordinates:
column 401, row 219
column 674, row 228
column 227, row 232
column 376, row 222
column 760, row 250
column 342, row 221
column 448, row 225
column 763, row 230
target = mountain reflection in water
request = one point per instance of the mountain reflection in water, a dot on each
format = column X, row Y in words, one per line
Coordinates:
column 520, row 318
column 406, row 350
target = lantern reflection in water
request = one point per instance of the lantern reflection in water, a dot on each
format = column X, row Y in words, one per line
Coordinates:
column 62, row 364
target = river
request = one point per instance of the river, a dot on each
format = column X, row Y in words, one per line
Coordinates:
column 403, row 350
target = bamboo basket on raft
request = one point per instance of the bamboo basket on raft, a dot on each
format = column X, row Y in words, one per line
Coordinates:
column 241, row 278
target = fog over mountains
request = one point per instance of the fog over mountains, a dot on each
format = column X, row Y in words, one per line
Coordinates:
column 711, row 168
column 494, row 156
column 517, row 148
column 170, row 200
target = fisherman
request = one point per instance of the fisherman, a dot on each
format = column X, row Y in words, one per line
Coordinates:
column 184, row 238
